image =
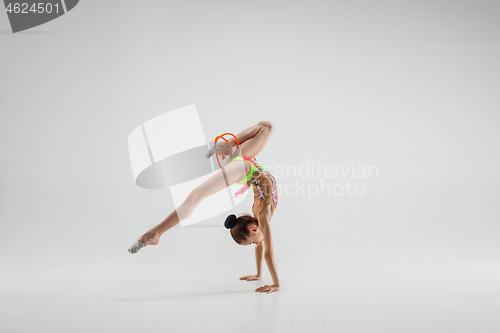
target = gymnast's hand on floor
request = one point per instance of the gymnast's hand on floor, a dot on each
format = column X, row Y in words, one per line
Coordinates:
column 250, row 277
column 268, row 288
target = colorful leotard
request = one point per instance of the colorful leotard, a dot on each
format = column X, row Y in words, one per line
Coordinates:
column 250, row 179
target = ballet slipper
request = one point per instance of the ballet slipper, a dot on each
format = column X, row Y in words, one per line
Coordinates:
column 138, row 245
column 220, row 148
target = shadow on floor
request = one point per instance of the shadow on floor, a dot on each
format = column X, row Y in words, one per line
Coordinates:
column 196, row 294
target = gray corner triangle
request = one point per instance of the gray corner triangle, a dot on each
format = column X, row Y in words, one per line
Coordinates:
column 70, row 4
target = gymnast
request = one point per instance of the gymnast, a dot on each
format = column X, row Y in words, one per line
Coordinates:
column 242, row 168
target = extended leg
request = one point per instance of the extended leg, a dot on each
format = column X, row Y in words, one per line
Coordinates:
column 228, row 175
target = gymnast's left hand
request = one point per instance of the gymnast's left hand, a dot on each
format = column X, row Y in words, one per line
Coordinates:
column 268, row 288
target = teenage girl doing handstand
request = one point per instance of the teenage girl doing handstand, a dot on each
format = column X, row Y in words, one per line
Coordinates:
column 242, row 168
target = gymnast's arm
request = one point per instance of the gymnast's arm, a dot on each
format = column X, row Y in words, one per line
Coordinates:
column 264, row 218
column 259, row 249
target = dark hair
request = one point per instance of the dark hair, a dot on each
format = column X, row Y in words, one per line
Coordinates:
column 239, row 226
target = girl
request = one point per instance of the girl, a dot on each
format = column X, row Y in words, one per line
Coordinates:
column 240, row 169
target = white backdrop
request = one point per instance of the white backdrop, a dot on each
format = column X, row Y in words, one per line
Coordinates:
column 408, row 88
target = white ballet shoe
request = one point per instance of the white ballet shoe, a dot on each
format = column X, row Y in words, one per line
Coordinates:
column 138, row 245
column 220, row 147
column 210, row 152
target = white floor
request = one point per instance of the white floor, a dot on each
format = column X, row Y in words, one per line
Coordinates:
column 63, row 301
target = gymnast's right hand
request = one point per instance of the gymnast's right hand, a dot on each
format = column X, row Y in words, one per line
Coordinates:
column 250, row 277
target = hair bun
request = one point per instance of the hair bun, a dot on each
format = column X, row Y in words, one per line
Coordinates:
column 230, row 221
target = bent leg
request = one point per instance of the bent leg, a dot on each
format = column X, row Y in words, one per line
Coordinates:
column 252, row 140
column 228, row 175
column 254, row 145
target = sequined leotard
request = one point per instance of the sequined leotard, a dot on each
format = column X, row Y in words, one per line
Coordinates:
column 260, row 178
